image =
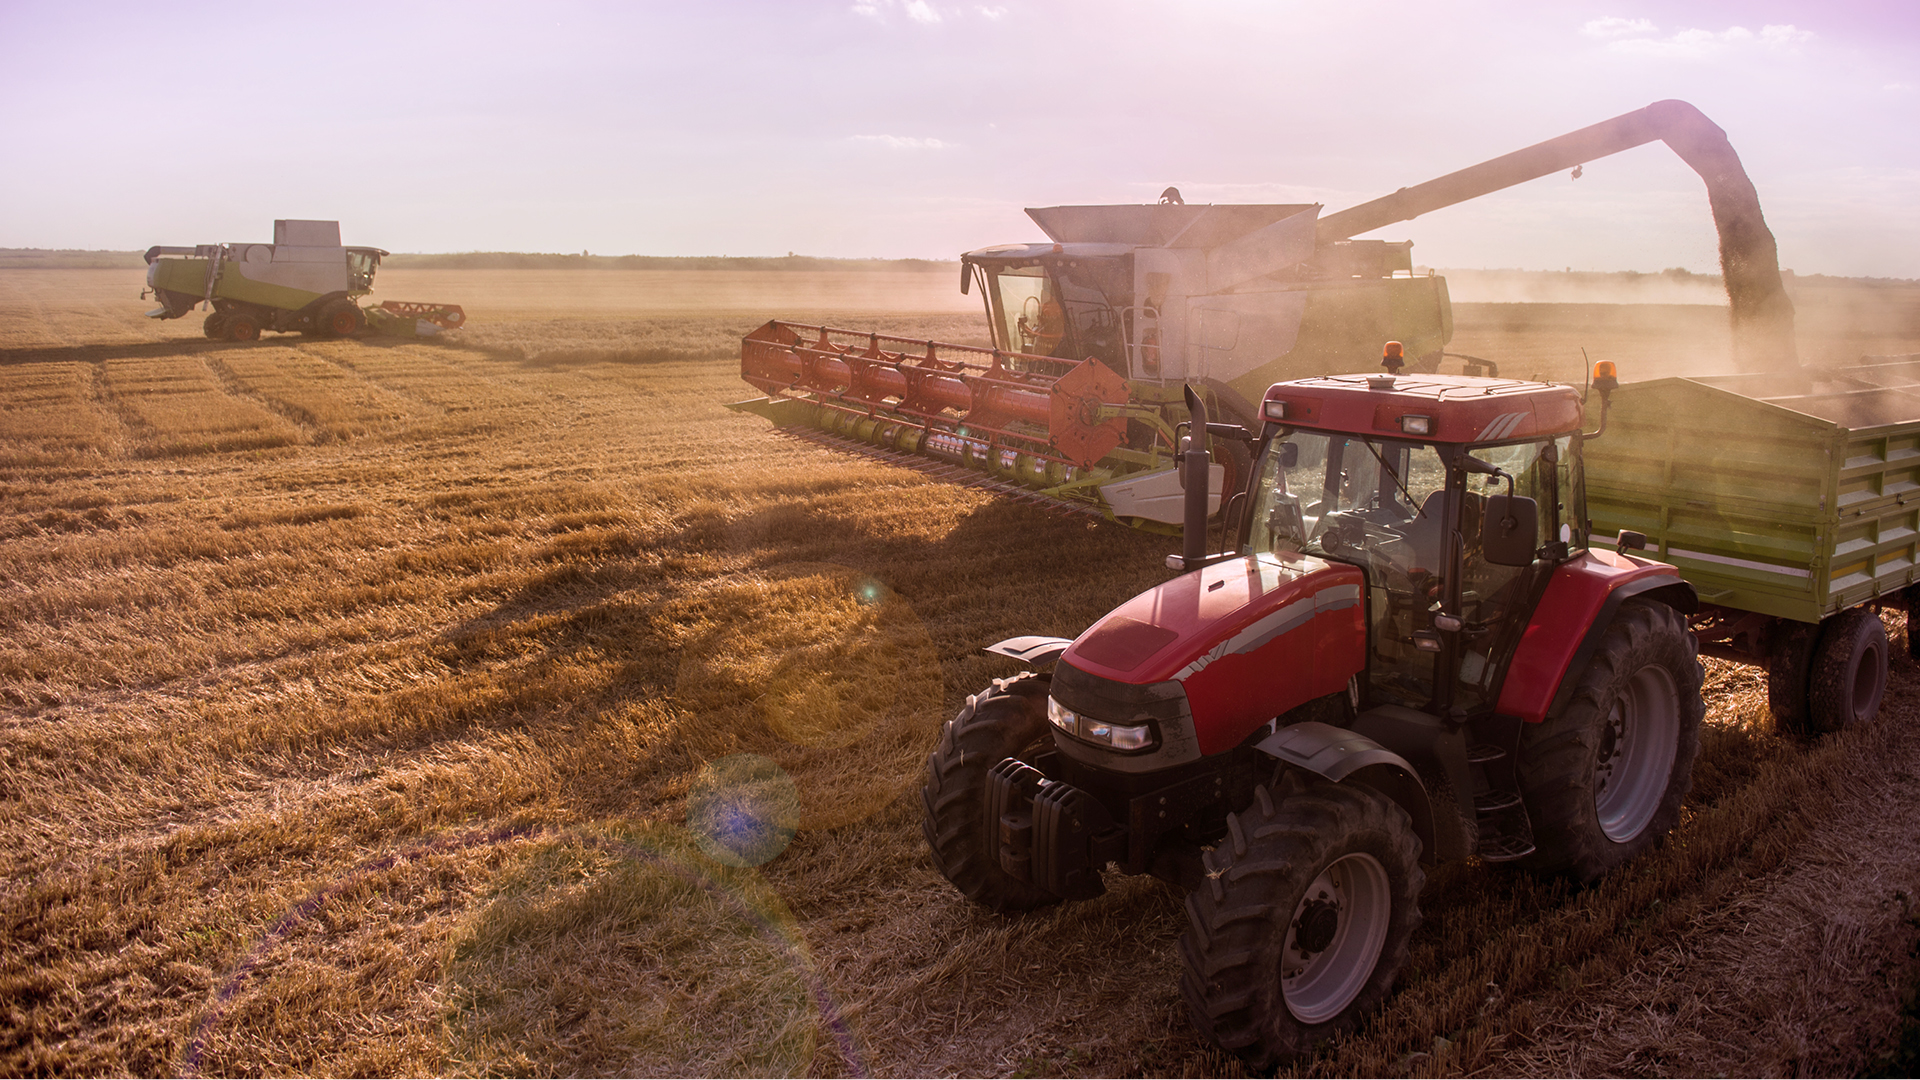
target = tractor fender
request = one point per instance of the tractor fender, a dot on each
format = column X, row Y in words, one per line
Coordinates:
column 1574, row 611
column 1343, row 756
column 1031, row 650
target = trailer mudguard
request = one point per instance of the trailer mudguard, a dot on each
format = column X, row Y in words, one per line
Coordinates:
column 1574, row 611
column 1345, row 756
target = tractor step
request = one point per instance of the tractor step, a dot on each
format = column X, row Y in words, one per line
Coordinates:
column 1493, row 802
column 1481, row 753
column 1502, row 848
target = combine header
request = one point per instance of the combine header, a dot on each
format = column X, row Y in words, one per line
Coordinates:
column 1096, row 333
column 304, row 281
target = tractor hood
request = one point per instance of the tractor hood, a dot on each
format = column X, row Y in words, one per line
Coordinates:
column 1247, row 639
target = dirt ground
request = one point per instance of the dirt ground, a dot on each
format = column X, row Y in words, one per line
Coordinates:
column 366, row 707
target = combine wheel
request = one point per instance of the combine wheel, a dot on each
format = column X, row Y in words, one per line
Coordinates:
column 1003, row 722
column 1848, row 676
column 342, row 319
column 242, row 327
column 216, row 325
column 1603, row 777
column 1302, row 923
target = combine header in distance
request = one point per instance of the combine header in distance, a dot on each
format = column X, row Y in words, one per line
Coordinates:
column 1095, row 334
column 305, row 281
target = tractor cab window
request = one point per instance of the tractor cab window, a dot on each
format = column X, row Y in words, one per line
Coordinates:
column 1492, row 596
column 1379, row 504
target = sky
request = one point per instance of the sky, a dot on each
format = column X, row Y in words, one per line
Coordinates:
column 922, row 128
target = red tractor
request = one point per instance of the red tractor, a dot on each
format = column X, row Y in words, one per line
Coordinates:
column 1411, row 655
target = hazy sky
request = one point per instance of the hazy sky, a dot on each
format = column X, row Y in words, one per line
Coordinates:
column 921, row 128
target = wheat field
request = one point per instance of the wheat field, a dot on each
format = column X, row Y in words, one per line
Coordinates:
column 372, row 707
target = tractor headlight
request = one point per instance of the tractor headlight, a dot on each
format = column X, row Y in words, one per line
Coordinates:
column 1118, row 736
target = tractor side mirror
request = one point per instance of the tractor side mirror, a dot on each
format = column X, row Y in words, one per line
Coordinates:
column 1508, row 528
column 1289, row 455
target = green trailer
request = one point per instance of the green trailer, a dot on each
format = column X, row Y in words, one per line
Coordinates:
column 1791, row 503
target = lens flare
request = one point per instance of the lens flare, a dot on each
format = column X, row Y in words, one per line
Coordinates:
column 743, row 810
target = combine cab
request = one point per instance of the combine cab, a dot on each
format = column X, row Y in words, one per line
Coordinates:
column 1078, row 400
column 305, row 281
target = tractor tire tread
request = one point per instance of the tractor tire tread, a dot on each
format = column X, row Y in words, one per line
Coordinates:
column 1853, row 637
column 992, row 726
column 1230, row 957
column 1555, row 767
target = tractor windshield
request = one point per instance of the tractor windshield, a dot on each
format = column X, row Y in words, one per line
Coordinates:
column 1376, row 503
column 1384, row 505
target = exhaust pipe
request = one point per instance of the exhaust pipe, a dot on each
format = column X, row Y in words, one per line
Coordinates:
column 1195, row 472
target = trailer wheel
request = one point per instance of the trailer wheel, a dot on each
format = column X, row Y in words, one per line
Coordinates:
column 242, row 327
column 1848, row 677
column 1005, row 721
column 1302, row 923
column 1602, row 779
column 216, row 325
column 342, row 319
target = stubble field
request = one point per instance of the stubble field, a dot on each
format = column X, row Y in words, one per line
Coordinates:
column 362, row 705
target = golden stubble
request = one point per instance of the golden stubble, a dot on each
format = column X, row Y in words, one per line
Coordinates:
column 357, row 700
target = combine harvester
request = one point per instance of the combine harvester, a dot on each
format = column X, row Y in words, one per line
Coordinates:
column 1096, row 333
column 305, row 282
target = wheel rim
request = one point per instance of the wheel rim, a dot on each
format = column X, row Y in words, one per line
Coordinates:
column 1334, row 939
column 1635, row 759
column 1866, row 684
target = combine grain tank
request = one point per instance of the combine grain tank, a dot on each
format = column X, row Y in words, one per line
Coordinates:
column 1791, row 503
column 305, row 281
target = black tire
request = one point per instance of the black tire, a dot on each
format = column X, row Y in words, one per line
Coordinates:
column 342, row 319
column 1337, row 862
column 1603, row 778
column 242, row 327
column 215, row 326
column 1848, row 677
column 1005, row 721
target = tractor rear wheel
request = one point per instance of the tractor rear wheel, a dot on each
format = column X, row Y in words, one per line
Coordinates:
column 1006, row 721
column 216, row 325
column 1848, row 676
column 242, row 327
column 342, row 319
column 1302, row 923
column 1603, row 778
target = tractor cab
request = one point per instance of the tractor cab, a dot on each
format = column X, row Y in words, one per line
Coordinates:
column 1455, row 495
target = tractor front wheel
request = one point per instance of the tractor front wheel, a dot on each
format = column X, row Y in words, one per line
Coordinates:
column 1006, row 721
column 1603, row 777
column 216, row 325
column 1302, row 923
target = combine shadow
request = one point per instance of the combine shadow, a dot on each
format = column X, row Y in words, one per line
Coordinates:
column 89, row 354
